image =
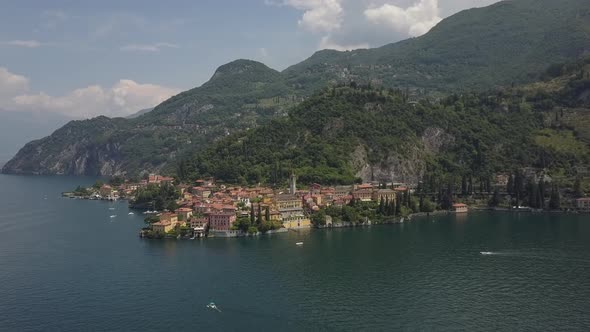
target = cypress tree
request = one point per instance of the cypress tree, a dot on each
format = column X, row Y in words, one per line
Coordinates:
column 381, row 206
column 391, row 209
column 267, row 214
column 555, row 199
column 533, row 191
column 540, row 199
column 252, row 216
column 578, row 188
column 510, row 185
column 495, row 201
column 259, row 219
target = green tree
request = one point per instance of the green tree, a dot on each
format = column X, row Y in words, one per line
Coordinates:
column 578, row 191
column 427, row 206
column 350, row 214
column 555, row 198
column 149, row 220
column 414, row 204
column 259, row 219
column 319, row 218
column 510, row 184
column 495, row 200
column 242, row 223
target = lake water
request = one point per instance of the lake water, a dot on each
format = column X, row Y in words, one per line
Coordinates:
column 66, row 265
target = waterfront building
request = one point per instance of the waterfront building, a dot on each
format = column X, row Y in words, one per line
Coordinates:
column 287, row 201
column 290, row 208
column 162, row 227
column 583, row 203
column 158, row 179
column 171, row 217
column 459, row 208
column 106, row 191
column 221, row 221
column 342, row 191
column 502, row 180
column 385, row 194
column 199, row 222
column 363, row 195
column 184, row 213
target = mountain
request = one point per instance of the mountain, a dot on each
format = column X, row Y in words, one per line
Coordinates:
column 361, row 133
column 506, row 43
column 240, row 95
column 18, row 128
column 139, row 113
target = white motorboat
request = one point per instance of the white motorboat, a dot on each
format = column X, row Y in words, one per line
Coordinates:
column 213, row 306
column 113, row 216
column 486, row 252
column 299, row 243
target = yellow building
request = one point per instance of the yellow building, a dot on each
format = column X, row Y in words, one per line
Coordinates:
column 163, row 227
column 290, row 208
column 296, row 222
column 385, row 194
column 184, row 213
column 168, row 221
column 288, row 201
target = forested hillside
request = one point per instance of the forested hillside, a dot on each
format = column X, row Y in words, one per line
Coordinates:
column 508, row 43
column 348, row 133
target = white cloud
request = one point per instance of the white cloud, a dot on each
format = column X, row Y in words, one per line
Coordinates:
column 11, row 85
column 414, row 21
column 123, row 98
column 22, row 43
column 319, row 15
column 352, row 24
column 329, row 44
column 157, row 47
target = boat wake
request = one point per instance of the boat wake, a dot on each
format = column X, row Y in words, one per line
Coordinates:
column 536, row 256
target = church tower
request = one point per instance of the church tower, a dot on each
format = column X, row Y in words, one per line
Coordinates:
column 293, row 184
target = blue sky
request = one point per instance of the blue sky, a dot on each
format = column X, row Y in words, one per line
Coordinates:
column 85, row 58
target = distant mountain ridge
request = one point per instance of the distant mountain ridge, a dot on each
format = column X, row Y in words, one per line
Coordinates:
column 508, row 42
column 139, row 113
column 19, row 127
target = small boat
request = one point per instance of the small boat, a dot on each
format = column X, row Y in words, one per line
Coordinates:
column 130, row 213
column 111, row 208
column 213, row 306
column 486, row 252
column 113, row 216
column 299, row 243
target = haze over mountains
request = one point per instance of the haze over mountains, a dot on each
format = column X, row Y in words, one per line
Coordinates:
column 19, row 128
column 511, row 42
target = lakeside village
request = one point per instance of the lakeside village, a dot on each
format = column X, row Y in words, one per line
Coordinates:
column 210, row 209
